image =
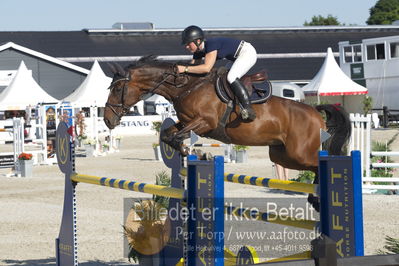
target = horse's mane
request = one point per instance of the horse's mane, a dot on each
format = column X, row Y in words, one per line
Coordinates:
column 153, row 61
column 149, row 60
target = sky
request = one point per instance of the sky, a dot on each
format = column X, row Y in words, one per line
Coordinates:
column 71, row 15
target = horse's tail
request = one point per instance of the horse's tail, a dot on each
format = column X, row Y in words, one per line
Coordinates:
column 338, row 126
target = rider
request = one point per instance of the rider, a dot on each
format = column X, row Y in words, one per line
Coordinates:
column 241, row 53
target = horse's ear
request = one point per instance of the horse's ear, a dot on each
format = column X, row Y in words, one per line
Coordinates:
column 175, row 69
column 112, row 67
column 120, row 70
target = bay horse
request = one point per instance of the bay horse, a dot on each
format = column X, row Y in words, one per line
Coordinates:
column 291, row 129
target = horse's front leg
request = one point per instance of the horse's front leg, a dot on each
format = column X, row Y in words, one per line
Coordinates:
column 176, row 134
column 312, row 199
column 173, row 136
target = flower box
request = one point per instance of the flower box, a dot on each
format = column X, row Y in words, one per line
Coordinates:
column 25, row 167
column 89, row 150
column 157, row 152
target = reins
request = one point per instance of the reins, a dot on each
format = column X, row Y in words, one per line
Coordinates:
column 164, row 80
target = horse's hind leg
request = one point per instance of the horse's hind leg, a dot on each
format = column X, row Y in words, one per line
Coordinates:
column 278, row 154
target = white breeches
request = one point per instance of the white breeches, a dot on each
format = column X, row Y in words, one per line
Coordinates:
column 245, row 60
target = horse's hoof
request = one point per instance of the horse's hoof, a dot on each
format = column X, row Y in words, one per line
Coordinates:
column 184, row 151
column 314, row 201
column 208, row 156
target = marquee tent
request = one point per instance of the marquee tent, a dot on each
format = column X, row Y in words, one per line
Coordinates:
column 332, row 85
column 93, row 90
column 23, row 91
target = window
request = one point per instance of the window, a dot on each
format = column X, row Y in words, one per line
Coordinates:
column 380, row 51
column 376, row 51
column 348, row 54
column 394, row 49
column 357, row 53
column 370, row 52
column 353, row 53
column 288, row 93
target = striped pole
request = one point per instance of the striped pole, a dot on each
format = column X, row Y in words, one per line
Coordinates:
column 271, row 183
column 163, row 191
column 271, row 218
column 267, row 182
column 209, row 145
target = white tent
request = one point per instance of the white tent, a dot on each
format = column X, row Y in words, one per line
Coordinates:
column 93, row 90
column 23, row 91
column 332, row 85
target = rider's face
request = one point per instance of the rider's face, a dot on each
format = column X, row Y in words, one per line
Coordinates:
column 191, row 47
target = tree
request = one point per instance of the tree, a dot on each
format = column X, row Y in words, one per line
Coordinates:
column 322, row 21
column 384, row 12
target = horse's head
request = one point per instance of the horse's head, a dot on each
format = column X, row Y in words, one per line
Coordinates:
column 132, row 84
column 122, row 96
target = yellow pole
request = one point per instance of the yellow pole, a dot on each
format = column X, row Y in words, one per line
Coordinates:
column 271, row 183
column 299, row 256
column 271, row 218
column 266, row 182
column 130, row 185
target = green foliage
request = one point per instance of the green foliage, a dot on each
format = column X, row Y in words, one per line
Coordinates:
column 155, row 144
column 82, row 137
column 382, row 171
column 156, row 125
column 240, row 147
column 391, row 246
column 384, row 12
column 162, row 179
column 367, row 104
column 305, row 177
column 322, row 21
column 133, row 255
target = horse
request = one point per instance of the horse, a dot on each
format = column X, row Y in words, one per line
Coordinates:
column 291, row 129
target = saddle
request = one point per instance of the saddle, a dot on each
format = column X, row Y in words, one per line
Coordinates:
column 258, row 86
column 259, row 90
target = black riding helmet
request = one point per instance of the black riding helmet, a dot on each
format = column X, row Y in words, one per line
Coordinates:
column 192, row 33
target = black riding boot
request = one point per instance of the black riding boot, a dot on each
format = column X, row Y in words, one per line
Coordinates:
column 247, row 113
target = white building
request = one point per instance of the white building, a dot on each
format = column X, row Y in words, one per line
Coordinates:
column 374, row 63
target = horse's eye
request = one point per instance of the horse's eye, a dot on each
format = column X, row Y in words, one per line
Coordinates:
column 117, row 88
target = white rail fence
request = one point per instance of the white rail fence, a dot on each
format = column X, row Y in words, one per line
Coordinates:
column 361, row 140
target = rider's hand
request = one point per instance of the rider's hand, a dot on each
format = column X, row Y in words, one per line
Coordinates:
column 181, row 69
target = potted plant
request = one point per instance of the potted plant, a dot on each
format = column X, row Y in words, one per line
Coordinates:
column 157, row 151
column 105, row 147
column 367, row 104
column 147, row 226
column 81, row 139
column 25, row 164
column 241, row 153
column 117, row 142
column 90, row 146
column 156, row 125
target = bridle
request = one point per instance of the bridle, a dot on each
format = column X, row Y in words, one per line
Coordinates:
column 125, row 108
column 121, row 105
